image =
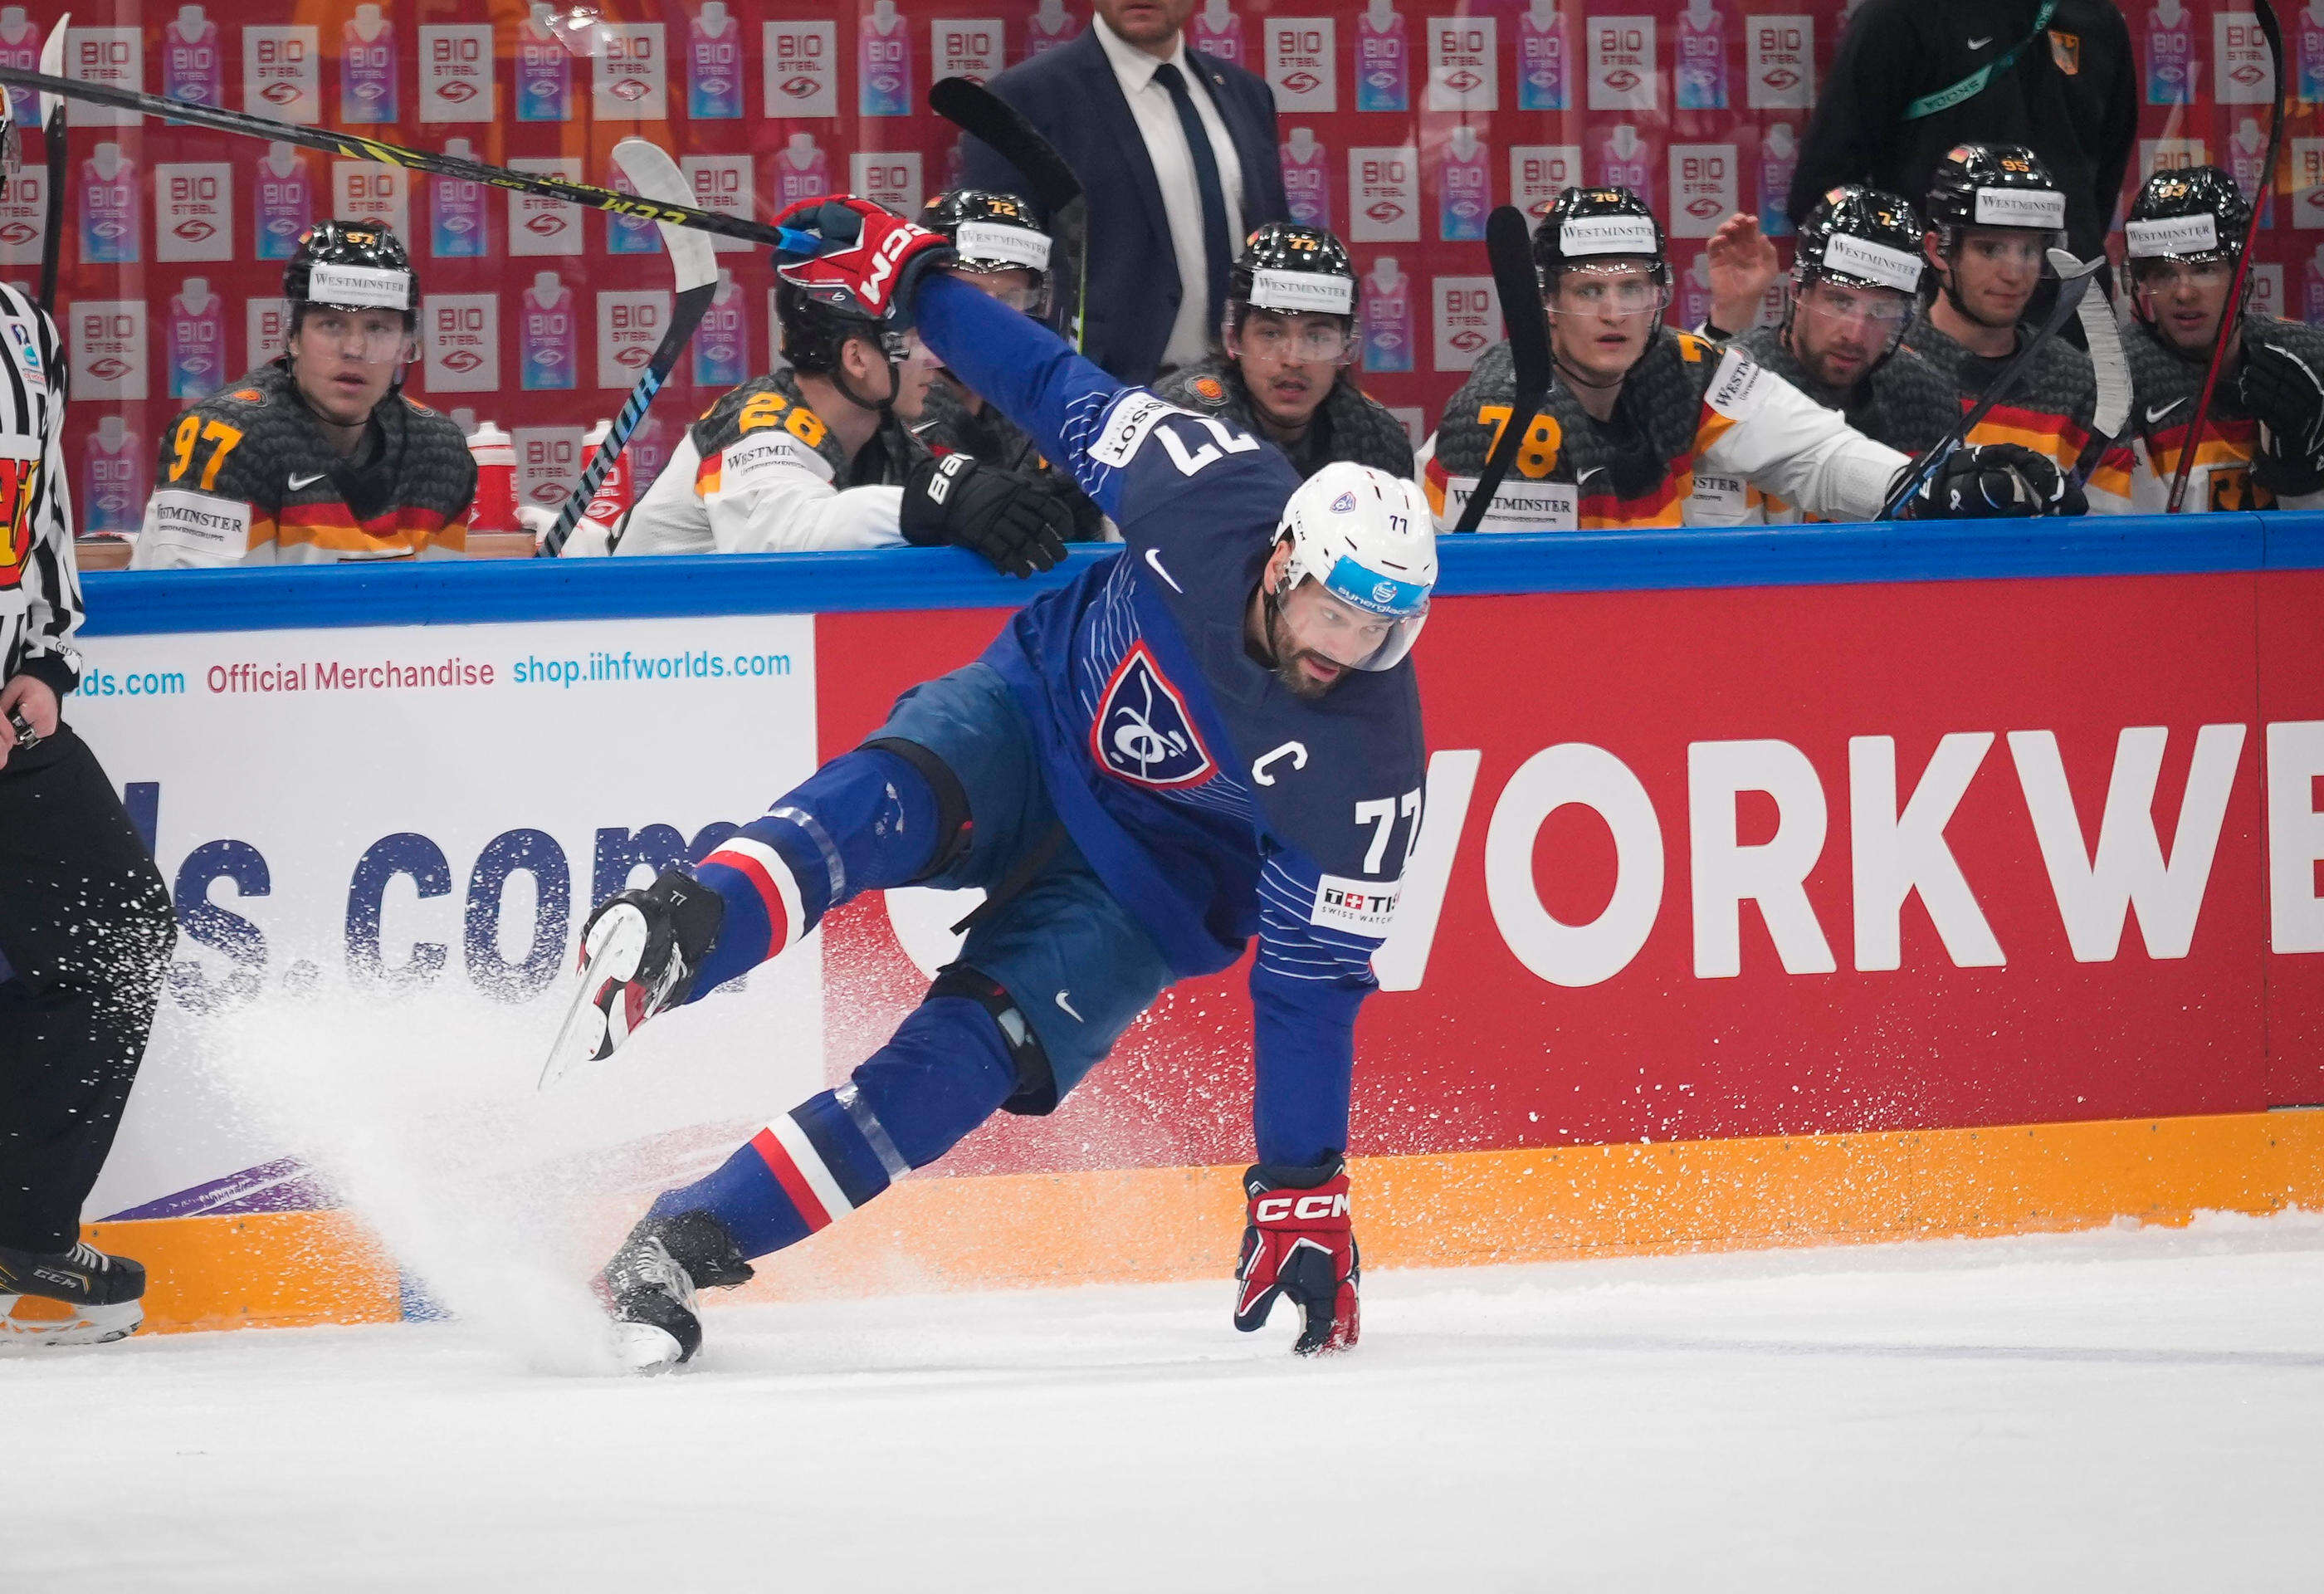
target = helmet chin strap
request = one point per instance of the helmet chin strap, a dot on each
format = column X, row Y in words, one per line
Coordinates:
column 884, row 407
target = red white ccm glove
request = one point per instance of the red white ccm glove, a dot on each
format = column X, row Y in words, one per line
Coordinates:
column 854, row 254
column 1299, row 1243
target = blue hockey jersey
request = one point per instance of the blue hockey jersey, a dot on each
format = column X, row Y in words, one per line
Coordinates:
column 1215, row 803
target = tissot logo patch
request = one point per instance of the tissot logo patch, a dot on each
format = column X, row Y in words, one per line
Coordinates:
column 1143, row 732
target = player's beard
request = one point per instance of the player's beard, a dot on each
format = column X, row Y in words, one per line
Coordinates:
column 1295, row 680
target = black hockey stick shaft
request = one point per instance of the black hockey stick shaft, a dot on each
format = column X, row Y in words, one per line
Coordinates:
column 52, row 239
column 2069, row 299
column 980, row 112
column 685, row 314
column 2231, row 312
column 56, row 144
column 1509, row 246
column 694, row 269
column 357, row 148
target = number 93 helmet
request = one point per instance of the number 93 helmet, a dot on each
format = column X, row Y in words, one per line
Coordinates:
column 1368, row 540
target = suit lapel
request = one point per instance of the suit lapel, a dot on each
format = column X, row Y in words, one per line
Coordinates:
column 1103, row 90
column 1246, row 142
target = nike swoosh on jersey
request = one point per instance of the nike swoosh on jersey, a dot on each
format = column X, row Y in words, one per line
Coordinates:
column 2156, row 412
column 1980, row 43
column 1068, row 1007
column 297, row 481
column 1154, row 557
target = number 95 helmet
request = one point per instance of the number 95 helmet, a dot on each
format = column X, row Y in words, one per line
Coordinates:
column 1367, row 539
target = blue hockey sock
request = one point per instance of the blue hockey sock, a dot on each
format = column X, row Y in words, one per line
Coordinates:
column 944, row 1072
column 865, row 821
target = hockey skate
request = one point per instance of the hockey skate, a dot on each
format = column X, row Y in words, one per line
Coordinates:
column 648, row 1287
column 77, row 1297
column 638, row 954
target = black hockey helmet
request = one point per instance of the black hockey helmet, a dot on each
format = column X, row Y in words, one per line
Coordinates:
column 1294, row 270
column 2190, row 213
column 993, row 231
column 1586, row 227
column 1864, row 238
column 1993, row 185
column 357, row 264
column 814, row 329
column 1860, row 238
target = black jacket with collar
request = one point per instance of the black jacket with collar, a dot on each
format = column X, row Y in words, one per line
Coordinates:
column 2072, row 97
column 1073, row 97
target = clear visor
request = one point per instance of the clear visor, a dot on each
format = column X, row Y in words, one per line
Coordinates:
column 1622, row 288
column 1339, row 614
column 1021, row 290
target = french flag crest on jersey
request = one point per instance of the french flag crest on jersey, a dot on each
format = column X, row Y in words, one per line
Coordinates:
column 1143, row 732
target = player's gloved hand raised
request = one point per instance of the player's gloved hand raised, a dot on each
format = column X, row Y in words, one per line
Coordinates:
column 2285, row 394
column 1009, row 519
column 1299, row 1243
column 851, row 251
column 1982, row 481
column 640, row 951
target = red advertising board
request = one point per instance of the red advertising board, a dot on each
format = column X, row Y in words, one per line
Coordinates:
column 1773, row 861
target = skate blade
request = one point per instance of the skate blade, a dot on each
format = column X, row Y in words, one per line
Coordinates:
column 643, row 1348
column 31, row 1320
column 581, row 1038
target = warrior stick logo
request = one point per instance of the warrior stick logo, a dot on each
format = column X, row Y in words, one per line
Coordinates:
column 1143, row 732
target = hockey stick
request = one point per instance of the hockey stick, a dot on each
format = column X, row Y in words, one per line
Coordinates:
column 656, row 176
column 979, row 112
column 52, row 125
column 357, row 148
column 1509, row 248
column 2071, row 289
column 2231, row 313
column 2111, row 416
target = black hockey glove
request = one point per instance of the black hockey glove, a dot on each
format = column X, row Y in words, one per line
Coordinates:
column 1984, row 481
column 2285, row 394
column 1017, row 525
column 640, row 952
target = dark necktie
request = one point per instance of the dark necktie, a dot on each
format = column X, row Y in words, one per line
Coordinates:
column 1206, row 178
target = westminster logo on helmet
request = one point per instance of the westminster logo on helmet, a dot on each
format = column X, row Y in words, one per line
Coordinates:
column 1143, row 732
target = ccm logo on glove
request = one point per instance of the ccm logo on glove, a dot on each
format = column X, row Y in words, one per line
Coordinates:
column 1309, row 1208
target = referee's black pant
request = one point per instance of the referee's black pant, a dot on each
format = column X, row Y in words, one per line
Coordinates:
column 86, row 927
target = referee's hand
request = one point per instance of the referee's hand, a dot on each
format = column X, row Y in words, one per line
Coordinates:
column 30, row 699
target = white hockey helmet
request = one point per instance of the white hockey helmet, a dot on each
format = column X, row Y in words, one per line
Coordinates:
column 1369, row 540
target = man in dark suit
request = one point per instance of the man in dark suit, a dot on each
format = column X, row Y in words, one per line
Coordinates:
column 1177, row 154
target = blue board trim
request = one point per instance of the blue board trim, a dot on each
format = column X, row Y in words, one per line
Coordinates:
column 453, row 592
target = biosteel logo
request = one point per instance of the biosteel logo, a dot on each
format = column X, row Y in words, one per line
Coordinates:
column 459, row 91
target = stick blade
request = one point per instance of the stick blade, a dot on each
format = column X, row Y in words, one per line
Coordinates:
column 980, row 112
column 976, row 110
column 2103, row 335
column 655, row 176
column 52, row 63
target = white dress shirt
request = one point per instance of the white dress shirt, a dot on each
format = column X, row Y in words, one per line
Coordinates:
column 1174, row 169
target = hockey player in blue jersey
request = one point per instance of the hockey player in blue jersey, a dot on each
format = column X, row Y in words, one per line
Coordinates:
column 1211, row 735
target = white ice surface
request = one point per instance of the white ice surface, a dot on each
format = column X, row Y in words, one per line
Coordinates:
column 2125, row 1410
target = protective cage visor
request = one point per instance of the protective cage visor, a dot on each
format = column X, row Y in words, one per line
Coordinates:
column 1364, row 595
